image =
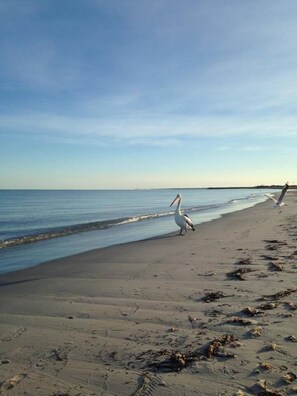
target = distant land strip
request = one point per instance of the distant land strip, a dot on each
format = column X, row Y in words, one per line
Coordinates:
column 273, row 186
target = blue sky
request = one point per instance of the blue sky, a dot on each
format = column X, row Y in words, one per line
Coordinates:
column 143, row 94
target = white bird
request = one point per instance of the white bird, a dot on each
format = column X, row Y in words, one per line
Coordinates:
column 278, row 203
column 181, row 219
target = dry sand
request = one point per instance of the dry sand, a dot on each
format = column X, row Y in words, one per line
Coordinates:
column 167, row 316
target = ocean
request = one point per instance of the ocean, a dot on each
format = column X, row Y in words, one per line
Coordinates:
column 41, row 225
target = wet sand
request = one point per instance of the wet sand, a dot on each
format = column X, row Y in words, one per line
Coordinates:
column 212, row 313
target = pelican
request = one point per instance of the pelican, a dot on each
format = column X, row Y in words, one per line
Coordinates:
column 182, row 220
column 278, row 203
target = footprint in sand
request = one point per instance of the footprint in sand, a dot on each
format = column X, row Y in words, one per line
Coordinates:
column 149, row 385
column 10, row 337
column 57, row 358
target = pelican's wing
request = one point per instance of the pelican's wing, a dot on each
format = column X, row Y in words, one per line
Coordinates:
column 268, row 196
column 284, row 190
column 188, row 221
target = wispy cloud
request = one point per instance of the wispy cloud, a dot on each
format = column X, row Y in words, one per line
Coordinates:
column 149, row 131
column 254, row 148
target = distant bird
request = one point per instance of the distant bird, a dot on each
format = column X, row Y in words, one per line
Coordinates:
column 182, row 220
column 278, row 203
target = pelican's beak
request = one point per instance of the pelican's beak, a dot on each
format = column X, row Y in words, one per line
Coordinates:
column 175, row 199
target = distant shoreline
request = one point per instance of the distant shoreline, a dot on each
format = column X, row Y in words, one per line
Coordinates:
column 259, row 187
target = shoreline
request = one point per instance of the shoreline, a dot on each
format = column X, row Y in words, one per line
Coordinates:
column 43, row 247
column 143, row 314
column 151, row 238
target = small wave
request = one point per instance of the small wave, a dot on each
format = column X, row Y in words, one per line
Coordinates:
column 75, row 229
column 236, row 200
column 46, row 234
column 143, row 217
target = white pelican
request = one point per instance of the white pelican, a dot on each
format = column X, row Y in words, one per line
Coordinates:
column 278, row 203
column 182, row 220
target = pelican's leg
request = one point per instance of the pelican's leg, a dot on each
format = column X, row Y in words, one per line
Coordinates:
column 181, row 230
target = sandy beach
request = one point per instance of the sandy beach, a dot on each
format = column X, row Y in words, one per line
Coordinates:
column 212, row 313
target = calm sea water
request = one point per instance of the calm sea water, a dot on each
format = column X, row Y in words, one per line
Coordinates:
column 40, row 225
